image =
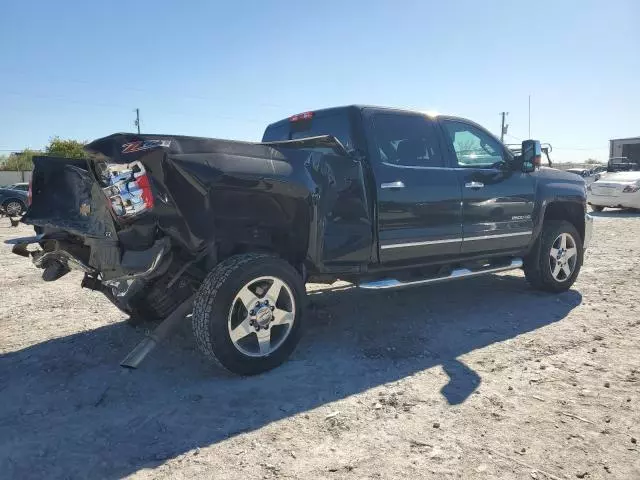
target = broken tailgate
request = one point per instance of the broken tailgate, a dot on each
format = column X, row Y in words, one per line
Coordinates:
column 66, row 196
column 76, row 208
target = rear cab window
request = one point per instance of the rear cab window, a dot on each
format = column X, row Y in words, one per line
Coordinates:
column 334, row 122
column 405, row 139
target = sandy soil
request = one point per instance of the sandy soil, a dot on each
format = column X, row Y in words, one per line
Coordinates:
column 478, row 379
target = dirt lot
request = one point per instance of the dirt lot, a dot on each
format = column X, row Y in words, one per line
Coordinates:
column 483, row 378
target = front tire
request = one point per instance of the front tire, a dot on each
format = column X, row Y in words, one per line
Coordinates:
column 14, row 208
column 247, row 315
column 555, row 261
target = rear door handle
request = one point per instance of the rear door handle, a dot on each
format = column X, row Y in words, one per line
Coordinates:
column 474, row 185
column 397, row 184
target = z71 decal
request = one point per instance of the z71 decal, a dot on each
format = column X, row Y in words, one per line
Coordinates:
column 146, row 145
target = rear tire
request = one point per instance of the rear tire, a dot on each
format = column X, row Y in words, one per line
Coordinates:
column 556, row 259
column 597, row 208
column 247, row 315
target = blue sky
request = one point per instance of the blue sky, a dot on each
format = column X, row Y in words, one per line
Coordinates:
column 78, row 69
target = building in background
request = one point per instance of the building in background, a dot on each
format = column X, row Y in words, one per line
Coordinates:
column 625, row 147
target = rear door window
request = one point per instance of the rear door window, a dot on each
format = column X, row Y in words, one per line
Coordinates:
column 335, row 124
column 406, row 140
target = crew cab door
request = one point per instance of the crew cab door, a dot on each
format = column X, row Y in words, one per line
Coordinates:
column 497, row 200
column 418, row 195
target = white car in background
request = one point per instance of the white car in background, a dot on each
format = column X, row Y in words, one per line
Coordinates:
column 585, row 173
column 617, row 190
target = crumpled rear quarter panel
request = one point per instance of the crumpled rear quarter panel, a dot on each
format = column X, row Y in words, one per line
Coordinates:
column 308, row 205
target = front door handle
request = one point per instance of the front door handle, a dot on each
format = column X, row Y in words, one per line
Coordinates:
column 474, row 185
column 397, row 184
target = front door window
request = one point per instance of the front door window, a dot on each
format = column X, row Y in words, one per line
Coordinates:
column 474, row 147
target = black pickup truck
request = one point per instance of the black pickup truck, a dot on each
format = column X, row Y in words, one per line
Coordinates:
column 232, row 231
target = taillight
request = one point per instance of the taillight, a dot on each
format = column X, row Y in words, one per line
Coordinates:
column 128, row 188
column 631, row 188
column 146, row 195
column 30, row 193
column 301, row 116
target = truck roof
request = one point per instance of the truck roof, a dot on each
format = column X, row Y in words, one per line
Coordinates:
column 330, row 110
column 624, row 139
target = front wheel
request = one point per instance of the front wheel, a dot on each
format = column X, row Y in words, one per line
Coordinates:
column 247, row 315
column 555, row 261
column 14, row 208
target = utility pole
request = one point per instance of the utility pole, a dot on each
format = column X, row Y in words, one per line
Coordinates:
column 504, row 128
column 137, row 122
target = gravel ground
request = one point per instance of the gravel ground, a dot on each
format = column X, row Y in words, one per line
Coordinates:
column 483, row 378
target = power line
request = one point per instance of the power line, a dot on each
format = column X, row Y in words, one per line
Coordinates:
column 515, row 138
column 66, row 100
column 581, row 148
column 198, row 98
column 585, row 149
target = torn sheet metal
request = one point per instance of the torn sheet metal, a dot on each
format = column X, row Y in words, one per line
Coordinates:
column 200, row 192
column 65, row 196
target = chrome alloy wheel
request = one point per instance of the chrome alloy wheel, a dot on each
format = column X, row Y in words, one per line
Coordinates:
column 13, row 209
column 563, row 257
column 261, row 316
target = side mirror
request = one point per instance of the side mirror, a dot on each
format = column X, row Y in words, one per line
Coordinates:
column 531, row 155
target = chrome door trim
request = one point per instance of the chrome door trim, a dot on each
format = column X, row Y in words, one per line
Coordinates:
column 419, row 244
column 499, row 235
column 397, row 184
column 452, row 240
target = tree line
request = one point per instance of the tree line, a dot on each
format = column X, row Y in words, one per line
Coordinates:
column 57, row 147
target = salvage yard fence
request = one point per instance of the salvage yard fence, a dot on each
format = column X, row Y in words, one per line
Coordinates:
column 7, row 177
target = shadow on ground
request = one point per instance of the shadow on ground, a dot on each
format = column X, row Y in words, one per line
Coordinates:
column 69, row 411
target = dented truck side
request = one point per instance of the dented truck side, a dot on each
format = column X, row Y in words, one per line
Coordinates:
column 231, row 231
column 146, row 213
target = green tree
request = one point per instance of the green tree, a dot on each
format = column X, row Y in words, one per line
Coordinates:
column 20, row 161
column 65, row 148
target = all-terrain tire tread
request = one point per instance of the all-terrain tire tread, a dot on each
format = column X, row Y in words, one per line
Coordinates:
column 206, row 297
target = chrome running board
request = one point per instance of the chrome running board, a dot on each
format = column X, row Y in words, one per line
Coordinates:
column 389, row 283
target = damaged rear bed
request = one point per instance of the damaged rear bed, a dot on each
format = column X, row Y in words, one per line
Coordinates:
column 146, row 217
column 153, row 220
